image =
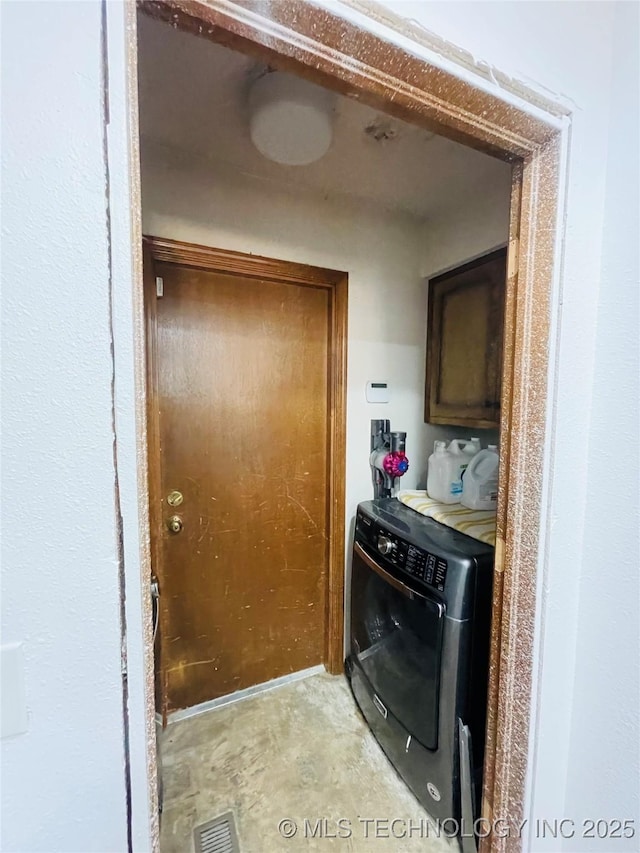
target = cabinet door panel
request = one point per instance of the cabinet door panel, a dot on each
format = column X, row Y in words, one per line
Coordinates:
column 464, row 344
column 462, row 379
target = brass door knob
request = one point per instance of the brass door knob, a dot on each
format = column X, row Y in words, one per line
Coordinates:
column 174, row 524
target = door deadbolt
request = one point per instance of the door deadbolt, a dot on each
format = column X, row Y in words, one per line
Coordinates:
column 175, row 498
column 174, row 524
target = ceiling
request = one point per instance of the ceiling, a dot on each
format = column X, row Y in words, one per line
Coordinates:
column 193, row 97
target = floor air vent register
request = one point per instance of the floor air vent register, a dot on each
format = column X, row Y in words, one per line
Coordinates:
column 217, row 836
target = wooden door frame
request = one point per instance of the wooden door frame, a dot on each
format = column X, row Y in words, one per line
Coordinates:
column 158, row 249
column 512, row 122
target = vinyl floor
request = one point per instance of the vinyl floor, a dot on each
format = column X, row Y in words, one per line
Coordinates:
column 297, row 760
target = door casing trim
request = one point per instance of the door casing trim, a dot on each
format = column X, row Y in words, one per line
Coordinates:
column 302, row 275
column 331, row 50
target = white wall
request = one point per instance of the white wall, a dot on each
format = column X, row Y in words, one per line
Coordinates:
column 604, row 767
column 465, row 233
column 63, row 781
column 189, row 199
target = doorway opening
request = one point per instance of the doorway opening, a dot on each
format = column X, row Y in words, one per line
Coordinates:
column 529, row 146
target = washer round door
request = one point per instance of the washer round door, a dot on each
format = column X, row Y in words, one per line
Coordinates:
column 396, row 636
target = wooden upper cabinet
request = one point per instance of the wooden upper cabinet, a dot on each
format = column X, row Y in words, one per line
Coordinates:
column 464, row 343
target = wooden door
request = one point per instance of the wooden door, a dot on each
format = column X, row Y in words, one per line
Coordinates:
column 241, row 372
column 464, row 344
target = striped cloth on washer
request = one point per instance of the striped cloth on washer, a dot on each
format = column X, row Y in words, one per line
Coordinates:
column 477, row 523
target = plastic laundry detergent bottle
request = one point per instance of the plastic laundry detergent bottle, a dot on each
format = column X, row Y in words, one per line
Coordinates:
column 470, row 448
column 462, row 451
column 445, row 468
column 439, row 474
column 473, row 445
column 480, row 489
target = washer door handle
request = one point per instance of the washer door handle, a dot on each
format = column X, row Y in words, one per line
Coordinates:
column 393, row 581
column 380, row 706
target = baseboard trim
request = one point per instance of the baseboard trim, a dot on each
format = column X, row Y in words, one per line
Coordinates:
column 247, row 693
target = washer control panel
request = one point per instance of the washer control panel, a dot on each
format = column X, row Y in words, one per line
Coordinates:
column 427, row 567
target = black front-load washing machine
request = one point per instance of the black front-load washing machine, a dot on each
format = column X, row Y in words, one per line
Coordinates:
column 419, row 651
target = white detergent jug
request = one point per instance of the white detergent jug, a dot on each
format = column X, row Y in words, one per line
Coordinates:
column 462, row 452
column 445, row 469
column 474, row 443
column 440, row 471
column 480, row 489
column 470, row 448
